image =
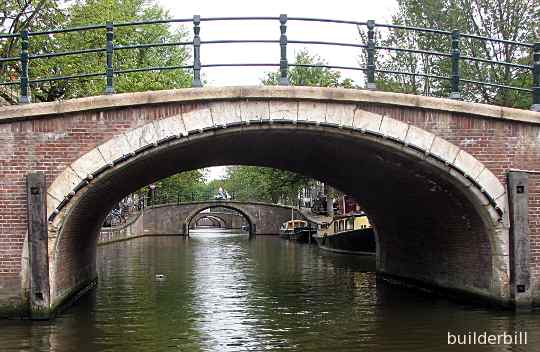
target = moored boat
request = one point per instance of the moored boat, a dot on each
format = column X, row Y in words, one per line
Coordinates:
column 351, row 234
column 296, row 230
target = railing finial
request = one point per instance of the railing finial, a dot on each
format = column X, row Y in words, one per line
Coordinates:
column 455, row 94
column 25, row 94
column 196, row 52
column 283, row 63
column 536, row 77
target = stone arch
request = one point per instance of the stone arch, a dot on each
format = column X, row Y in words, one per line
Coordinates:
column 429, row 165
column 250, row 219
column 215, row 220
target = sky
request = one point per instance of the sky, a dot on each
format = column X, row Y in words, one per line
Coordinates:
column 356, row 10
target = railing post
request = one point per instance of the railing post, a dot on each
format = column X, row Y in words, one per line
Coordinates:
column 455, row 94
column 25, row 96
column 536, row 78
column 109, row 89
column 283, row 63
column 196, row 52
column 371, row 55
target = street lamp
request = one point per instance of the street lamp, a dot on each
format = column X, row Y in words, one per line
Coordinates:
column 152, row 187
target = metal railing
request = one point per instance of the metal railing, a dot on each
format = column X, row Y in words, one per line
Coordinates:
column 370, row 46
column 159, row 198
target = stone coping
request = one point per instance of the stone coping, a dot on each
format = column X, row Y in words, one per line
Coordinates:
column 190, row 95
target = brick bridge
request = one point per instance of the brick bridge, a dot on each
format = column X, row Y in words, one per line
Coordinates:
column 177, row 219
column 437, row 177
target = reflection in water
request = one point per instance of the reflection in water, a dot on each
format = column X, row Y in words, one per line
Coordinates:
column 222, row 269
column 224, row 292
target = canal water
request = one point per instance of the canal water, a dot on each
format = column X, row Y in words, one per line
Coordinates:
column 223, row 292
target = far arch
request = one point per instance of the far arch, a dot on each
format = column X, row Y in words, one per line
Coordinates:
column 250, row 219
column 216, row 221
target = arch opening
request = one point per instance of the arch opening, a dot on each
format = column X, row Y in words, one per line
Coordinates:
column 220, row 218
column 433, row 224
column 207, row 221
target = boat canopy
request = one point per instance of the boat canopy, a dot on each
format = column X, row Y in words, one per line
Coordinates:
column 293, row 224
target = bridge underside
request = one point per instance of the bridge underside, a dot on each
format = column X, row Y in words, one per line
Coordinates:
column 430, row 225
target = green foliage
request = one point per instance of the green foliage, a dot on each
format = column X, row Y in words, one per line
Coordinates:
column 514, row 20
column 310, row 76
column 263, row 184
column 185, row 183
column 16, row 16
column 87, row 12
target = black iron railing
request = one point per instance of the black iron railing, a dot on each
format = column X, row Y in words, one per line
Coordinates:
column 161, row 198
column 455, row 79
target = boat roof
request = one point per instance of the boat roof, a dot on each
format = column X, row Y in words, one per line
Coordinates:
column 295, row 220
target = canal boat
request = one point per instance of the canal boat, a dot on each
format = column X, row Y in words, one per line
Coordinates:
column 351, row 234
column 296, row 230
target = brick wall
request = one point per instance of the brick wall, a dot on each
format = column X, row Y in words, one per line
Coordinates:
column 534, row 234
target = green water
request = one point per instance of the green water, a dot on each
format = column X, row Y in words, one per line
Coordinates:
column 223, row 292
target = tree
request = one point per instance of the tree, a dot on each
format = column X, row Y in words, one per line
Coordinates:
column 86, row 12
column 184, row 183
column 513, row 20
column 16, row 16
column 310, row 76
column 263, row 184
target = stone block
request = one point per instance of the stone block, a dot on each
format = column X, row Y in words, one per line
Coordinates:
column 419, row 138
column 490, row 183
column 312, row 111
column 340, row 114
column 197, row 117
column 254, row 110
column 225, row 113
column 444, row 150
column 52, row 203
column 367, row 121
column 468, row 164
column 142, row 136
column 169, row 127
column 283, row 110
column 115, row 148
column 64, row 183
column 502, row 202
column 393, row 128
column 88, row 163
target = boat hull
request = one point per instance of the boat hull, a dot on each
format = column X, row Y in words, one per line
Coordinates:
column 299, row 235
column 361, row 242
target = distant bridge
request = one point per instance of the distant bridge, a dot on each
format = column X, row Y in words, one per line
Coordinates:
column 176, row 219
